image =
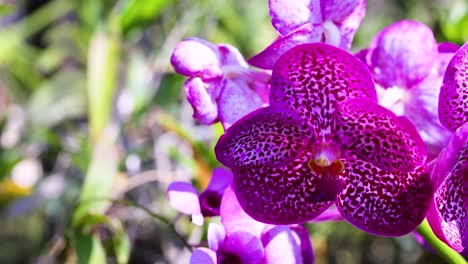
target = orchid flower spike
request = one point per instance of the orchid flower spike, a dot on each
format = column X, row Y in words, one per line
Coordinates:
column 324, row 140
column 220, row 87
column 307, row 21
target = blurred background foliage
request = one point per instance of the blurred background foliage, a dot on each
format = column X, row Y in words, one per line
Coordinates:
column 91, row 110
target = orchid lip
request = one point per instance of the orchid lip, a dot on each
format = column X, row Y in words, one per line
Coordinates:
column 326, row 159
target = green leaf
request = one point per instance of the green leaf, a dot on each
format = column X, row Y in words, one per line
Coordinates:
column 6, row 9
column 138, row 13
column 88, row 248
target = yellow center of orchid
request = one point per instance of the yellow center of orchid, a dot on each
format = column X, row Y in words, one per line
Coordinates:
column 326, row 160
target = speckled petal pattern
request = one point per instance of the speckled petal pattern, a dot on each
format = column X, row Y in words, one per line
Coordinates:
column 402, row 54
column 448, row 214
column 382, row 202
column 453, row 98
column 311, row 79
column 307, row 33
column 284, row 195
column 287, row 15
column 378, row 136
column 267, row 136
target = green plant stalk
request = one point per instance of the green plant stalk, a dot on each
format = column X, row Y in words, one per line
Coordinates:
column 102, row 73
column 446, row 252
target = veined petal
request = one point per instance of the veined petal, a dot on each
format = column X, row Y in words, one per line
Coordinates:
column 281, row 247
column 268, row 136
column 448, row 214
column 381, row 202
column 289, row 194
column 287, row 16
column 311, row 79
column 200, row 95
column 453, row 99
column 307, row 33
column 233, row 217
column 402, row 54
column 338, row 10
column 378, row 136
column 196, row 57
column 236, row 100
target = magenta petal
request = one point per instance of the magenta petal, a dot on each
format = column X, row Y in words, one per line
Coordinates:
column 403, row 54
column 281, row 246
column 308, row 33
column 230, row 56
column 233, row 217
column 283, row 195
column 236, row 100
column 203, row 256
column 242, row 246
column 381, row 202
column 331, row 214
column 286, row 16
column 184, row 197
column 453, row 99
column 196, row 57
column 311, row 79
column 201, row 96
column 448, row 214
column 338, row 10
column 376, row 135
column 220, row 180
column 307, row 251
column 268, row 136
column 350, row 24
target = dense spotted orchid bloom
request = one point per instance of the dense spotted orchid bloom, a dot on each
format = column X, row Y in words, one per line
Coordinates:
column 184, row 197
column 241, row 239
column 325, row 140
column 220, row 87
column 408, row 66
column 308, row 21
column 448, row 213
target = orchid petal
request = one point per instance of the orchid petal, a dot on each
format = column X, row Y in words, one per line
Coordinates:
column 307, row 251
column 183, row 197
column 220, row 180
column 350, row 24
column 331, row 214
column 311, row 79
column 287, row 16
column 233, row 217
column 381, row 202
column 267, row 136
column 308, row 33
column 289, row 194
column 236, row 100
column 453, row 99
column 338, row 10
column 216, row 235
column 230, row 55
column 281, row 246
column 196, row 57
column 201, row 97
column 378, row 136
column 210, row 199
column 203, row 256
column 402, row 54
column 448, row 214
column 247, row 247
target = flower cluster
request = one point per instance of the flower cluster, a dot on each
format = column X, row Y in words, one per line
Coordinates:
column 328, row 129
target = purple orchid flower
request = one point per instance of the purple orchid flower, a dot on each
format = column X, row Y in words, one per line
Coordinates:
column 453, row 99
column 241, row 239
column 408, row 65
column 219, row 81
column 308, row 21
column 448, row 213
column 184, row 197
column 325, row 140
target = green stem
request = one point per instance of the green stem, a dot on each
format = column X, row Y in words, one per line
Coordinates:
column 446, row 252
